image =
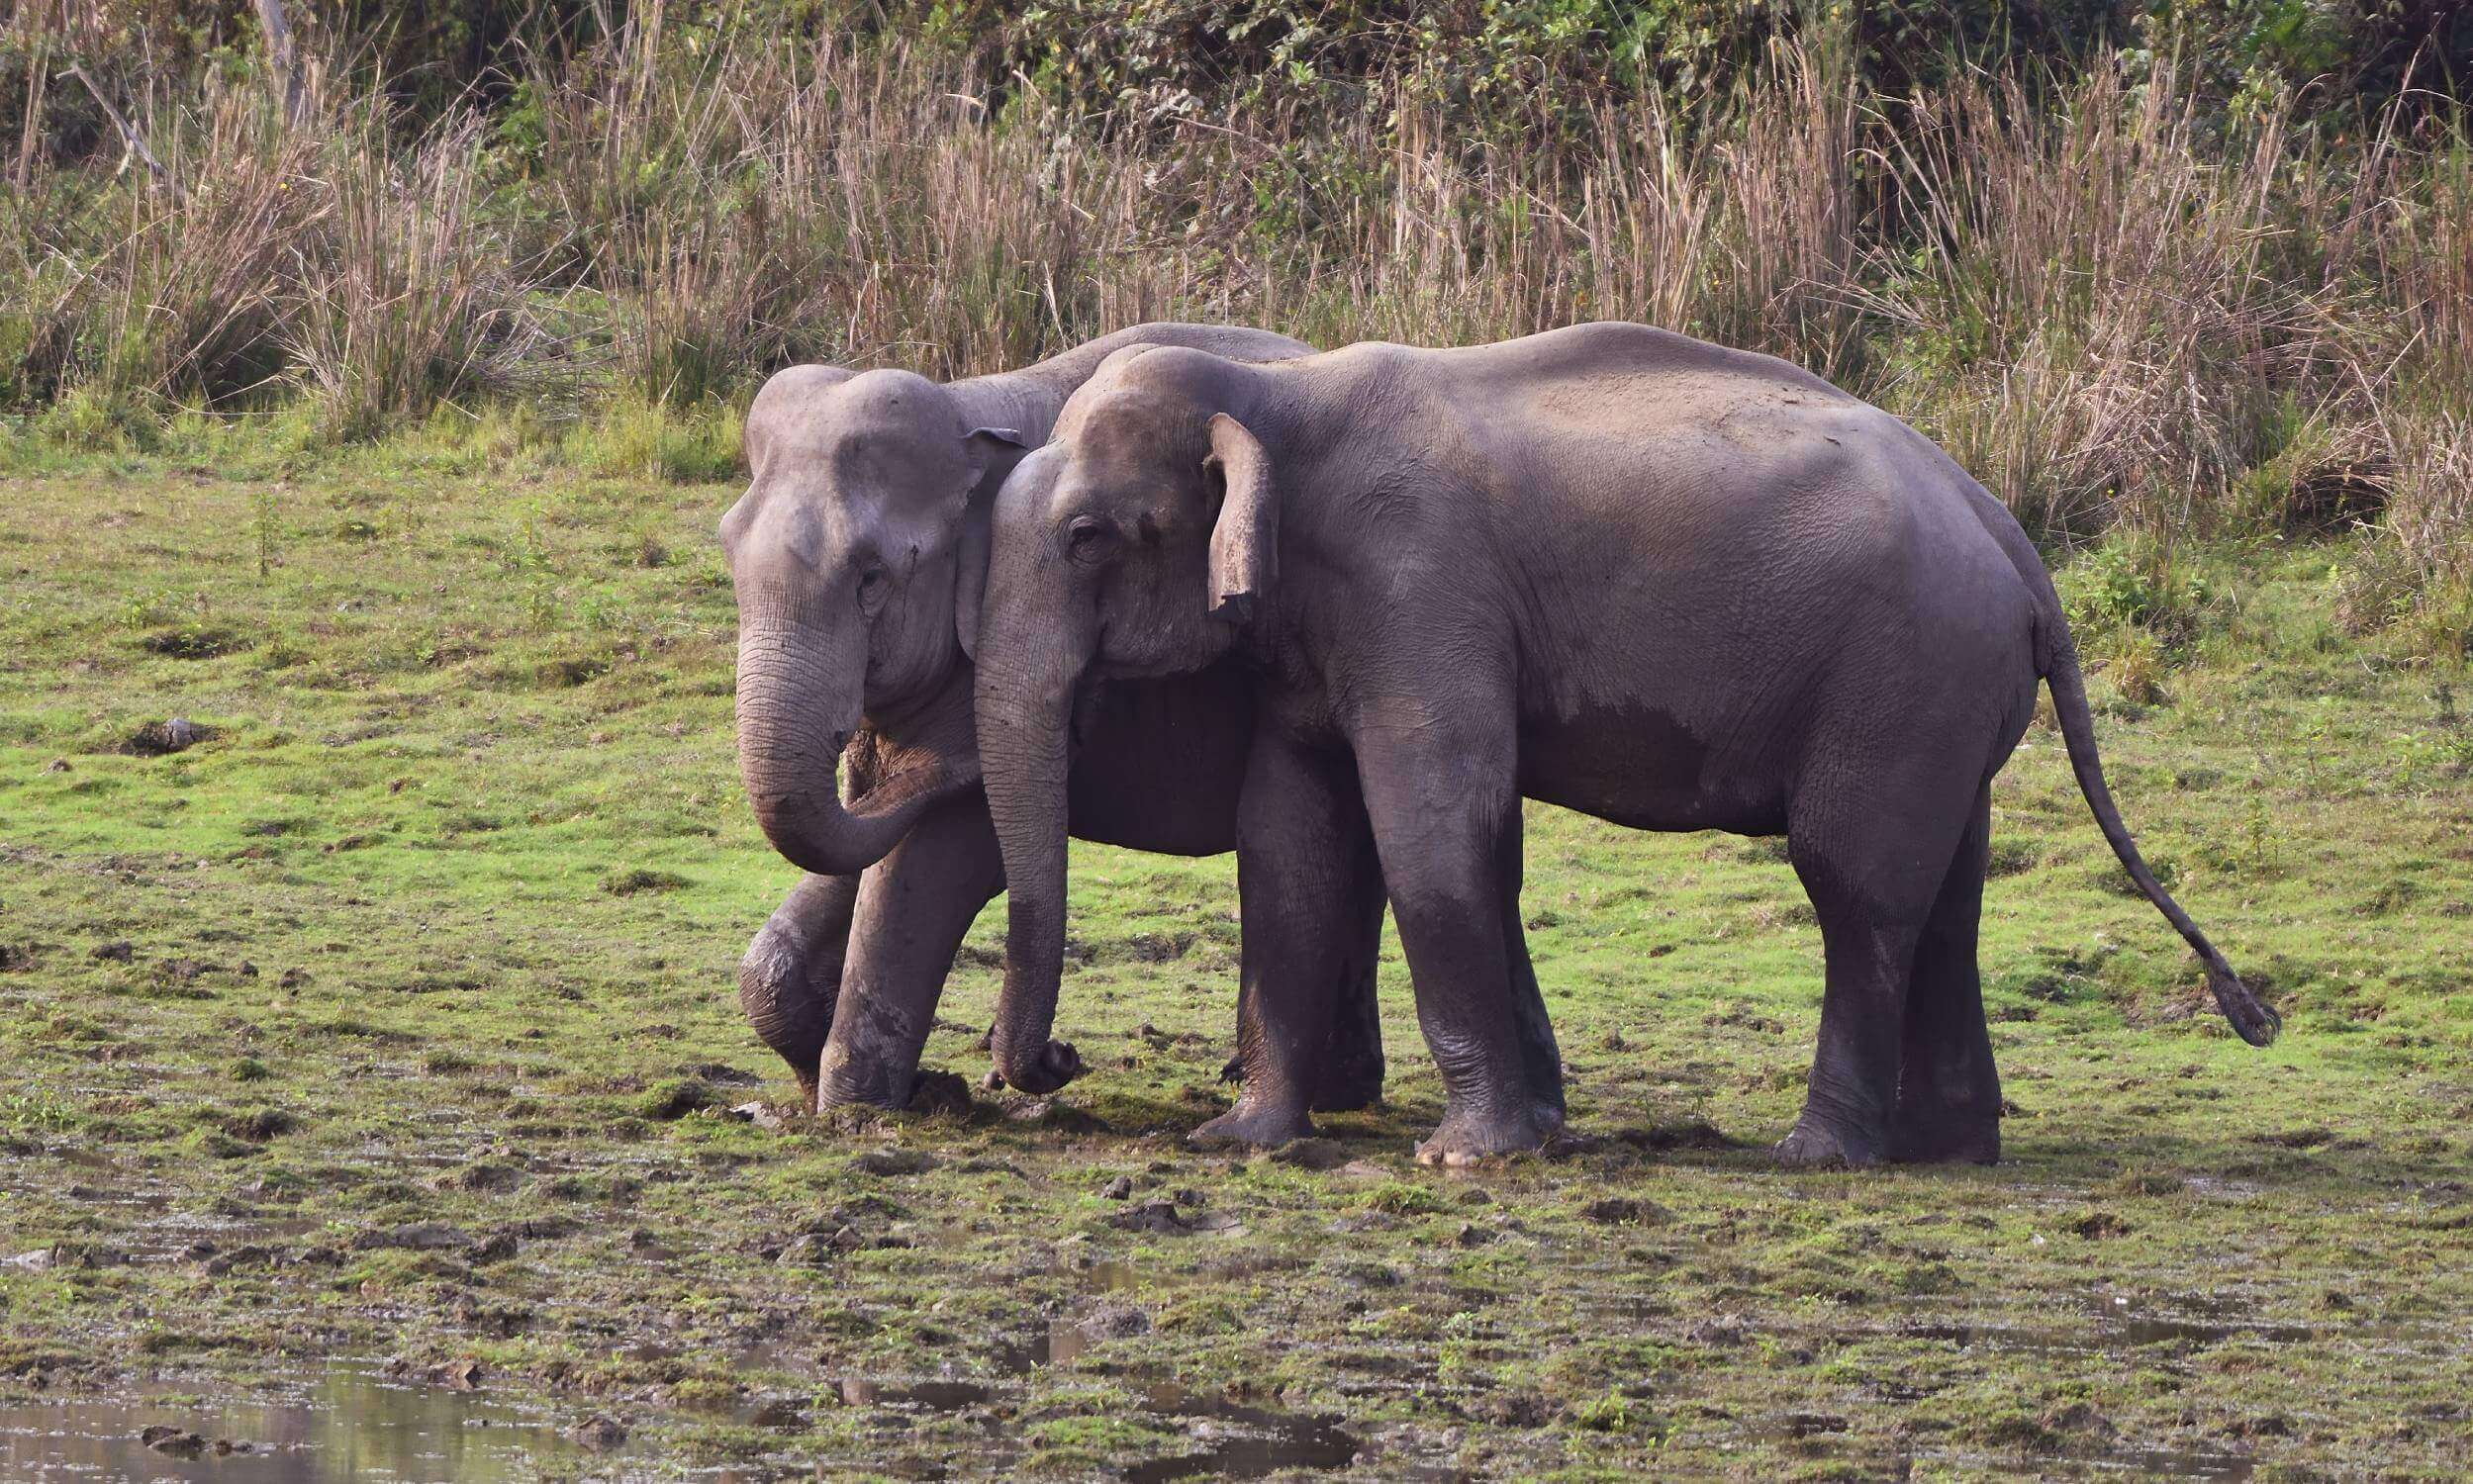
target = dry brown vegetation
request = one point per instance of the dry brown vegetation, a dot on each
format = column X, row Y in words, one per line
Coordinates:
column 2113, row 304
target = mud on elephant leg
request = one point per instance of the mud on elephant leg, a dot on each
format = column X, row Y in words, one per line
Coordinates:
column 913, row 909
column 1949, row 1105
column 1352, row 1064
column 790, row 978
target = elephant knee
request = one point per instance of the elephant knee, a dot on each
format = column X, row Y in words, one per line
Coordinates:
column 783, row 1005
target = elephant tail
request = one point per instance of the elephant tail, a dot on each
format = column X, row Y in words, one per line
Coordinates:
column 2251, row 1018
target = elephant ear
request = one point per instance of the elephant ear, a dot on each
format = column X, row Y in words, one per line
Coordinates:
column 990, row 450
column 1245, row 540
column 986, row 450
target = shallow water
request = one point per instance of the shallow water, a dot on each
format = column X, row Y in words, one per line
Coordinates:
column 349, row 1420
column 1242, row 1443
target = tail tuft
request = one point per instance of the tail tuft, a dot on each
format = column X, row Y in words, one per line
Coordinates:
column 2252, row 1018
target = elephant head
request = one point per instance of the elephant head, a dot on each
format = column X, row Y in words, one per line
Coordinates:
column 1142, row 543
column 856, row 553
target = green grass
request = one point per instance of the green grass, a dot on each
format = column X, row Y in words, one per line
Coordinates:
column 439, row 923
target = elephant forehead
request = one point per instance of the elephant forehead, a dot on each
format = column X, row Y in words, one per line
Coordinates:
column 880, row 433
column 1132, row 434
column 885, row 461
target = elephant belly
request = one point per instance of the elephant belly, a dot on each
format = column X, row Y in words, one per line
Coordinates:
column 1648, row 771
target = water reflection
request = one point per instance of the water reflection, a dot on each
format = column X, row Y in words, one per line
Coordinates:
column 348, row 1422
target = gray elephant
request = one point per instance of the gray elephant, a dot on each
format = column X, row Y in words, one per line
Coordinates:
column 1671, row 584
column 858, row 554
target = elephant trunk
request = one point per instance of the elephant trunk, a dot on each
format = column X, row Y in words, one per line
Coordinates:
column 800, row 686
column 1027, row 674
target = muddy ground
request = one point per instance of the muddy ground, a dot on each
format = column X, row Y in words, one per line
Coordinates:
column 377, row 1100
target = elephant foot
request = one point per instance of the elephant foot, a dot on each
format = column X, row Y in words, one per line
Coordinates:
column 1944, row 1136
column 1817, row 1143
column 851, row 1080
column 1261, row 1126
column 1463, row 1138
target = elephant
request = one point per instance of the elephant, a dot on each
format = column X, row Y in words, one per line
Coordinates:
column 1671, row 584
column 858, row 554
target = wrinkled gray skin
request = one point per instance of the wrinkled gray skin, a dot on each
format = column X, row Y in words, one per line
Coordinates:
column 1671, row 585
column 858, row 553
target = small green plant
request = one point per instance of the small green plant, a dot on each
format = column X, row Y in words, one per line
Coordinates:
column 2131, row 583
column 541, row 603
column 1610, row 1412
column 262, row 507
column 35, row 1112
column 646, row 547
column 2258, row 832
column 149, row 608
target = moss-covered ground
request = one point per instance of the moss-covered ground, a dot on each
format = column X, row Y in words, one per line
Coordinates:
column 392, row 1022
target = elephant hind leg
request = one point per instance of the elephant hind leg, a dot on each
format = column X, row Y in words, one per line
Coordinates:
column 1352, row 1065
column 790, row 975
column 1949, row 1105
column 1313, row 906
column 1541, row 1057
column 1872, row 850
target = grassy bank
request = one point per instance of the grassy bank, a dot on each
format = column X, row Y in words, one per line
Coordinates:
column 391, row 1020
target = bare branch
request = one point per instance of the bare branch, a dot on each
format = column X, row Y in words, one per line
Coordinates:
column 135, row 141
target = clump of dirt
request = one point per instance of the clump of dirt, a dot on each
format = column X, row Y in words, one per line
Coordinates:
column 678, row 1097
column 159, row 739
column 1311, row 1154
column 896, row 1162
column 193, row 642
column 639, row 880
column 1621, row 1211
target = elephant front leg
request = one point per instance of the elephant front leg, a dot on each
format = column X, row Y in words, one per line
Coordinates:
column 913, row 909
column 790, row 978
column 1445, row 815
column 1312, row 909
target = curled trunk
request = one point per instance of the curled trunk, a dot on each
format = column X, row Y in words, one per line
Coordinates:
column 799, row 697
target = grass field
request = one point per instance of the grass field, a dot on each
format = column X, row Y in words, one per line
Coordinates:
column 379, row 1051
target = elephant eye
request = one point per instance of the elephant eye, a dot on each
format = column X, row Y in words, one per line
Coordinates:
column 1091, row 538
column 874, row 585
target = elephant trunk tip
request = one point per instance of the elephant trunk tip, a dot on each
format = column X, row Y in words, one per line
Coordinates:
column 1037, row 1066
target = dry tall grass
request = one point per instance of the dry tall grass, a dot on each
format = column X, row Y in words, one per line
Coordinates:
column 2110, row 304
